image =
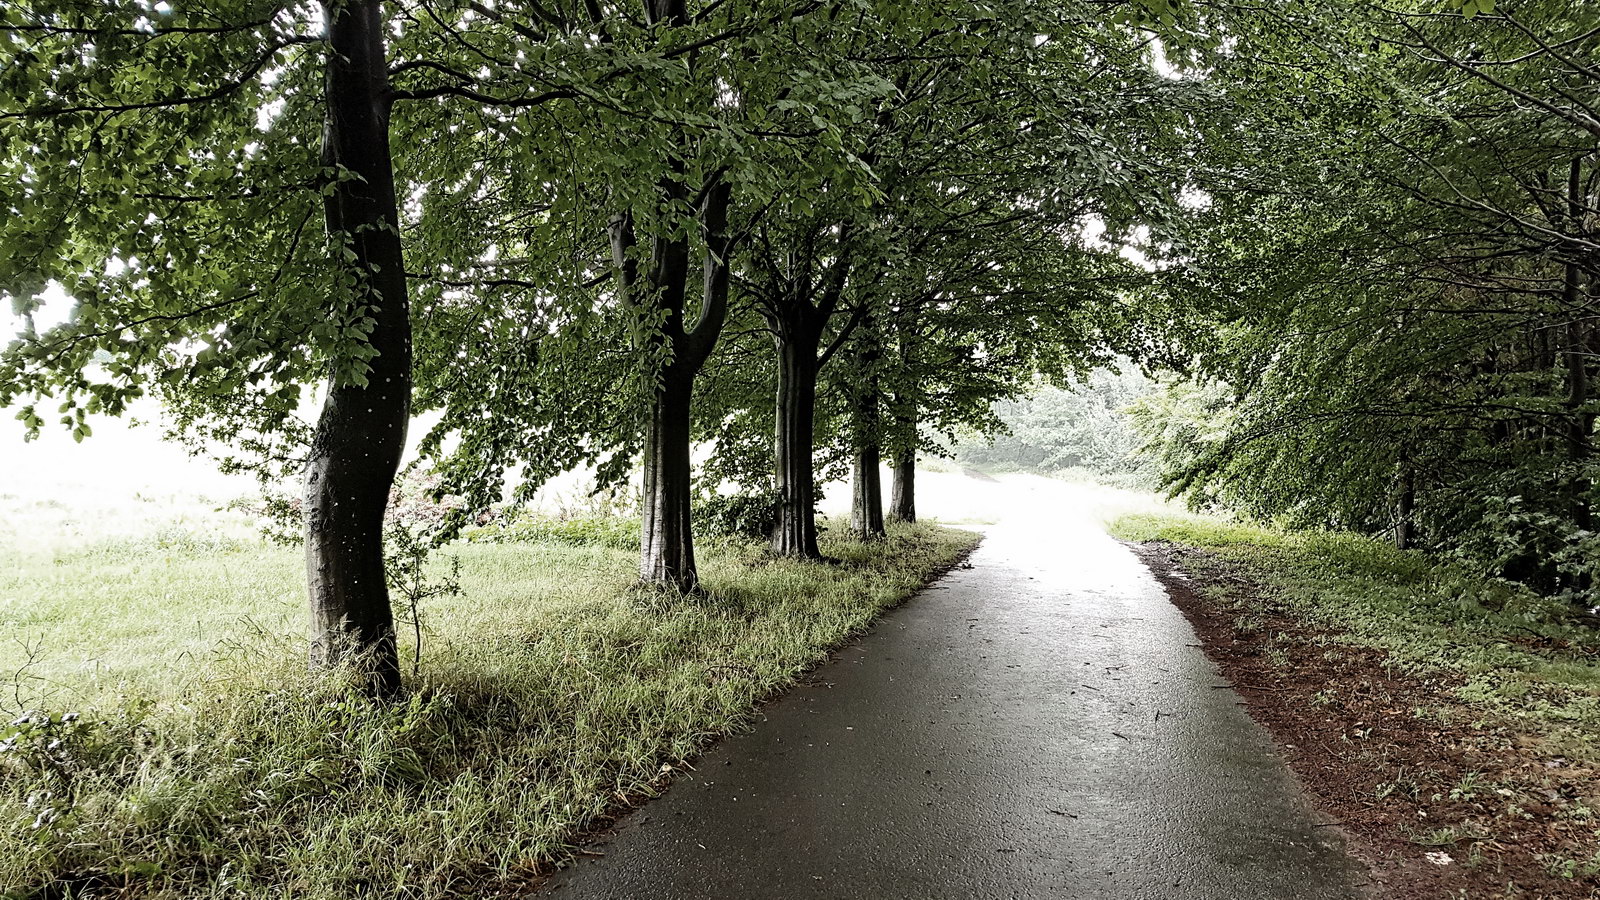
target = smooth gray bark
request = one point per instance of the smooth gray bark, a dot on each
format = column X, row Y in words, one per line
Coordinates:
column 796, row 531
column 361, row 432
column 903, row 494
column 866, row 496
column 666, row 536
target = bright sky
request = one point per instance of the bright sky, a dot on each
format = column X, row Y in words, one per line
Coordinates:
column 54, row 311
column 119, row 460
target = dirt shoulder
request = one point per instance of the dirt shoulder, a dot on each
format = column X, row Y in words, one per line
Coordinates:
column 1437, row 800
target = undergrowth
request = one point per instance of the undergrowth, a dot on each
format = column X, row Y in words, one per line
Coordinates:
column 615, row 532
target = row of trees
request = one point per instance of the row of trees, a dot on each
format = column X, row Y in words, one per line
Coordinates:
column 581, row 232
column 1397, row 286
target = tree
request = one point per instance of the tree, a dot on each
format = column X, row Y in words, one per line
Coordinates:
column 679, row 347
column 360, row 435
column 969, row 145
column 667, row 541
column 161, row 168
column 865, row 394
column 1398, row 280
column 703, row 115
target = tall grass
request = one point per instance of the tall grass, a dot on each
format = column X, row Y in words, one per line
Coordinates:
column 549, row 693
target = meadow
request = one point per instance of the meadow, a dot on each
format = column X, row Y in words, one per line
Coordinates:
column 165, row 739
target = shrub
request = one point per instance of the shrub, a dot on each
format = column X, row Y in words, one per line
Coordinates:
column 745, row 515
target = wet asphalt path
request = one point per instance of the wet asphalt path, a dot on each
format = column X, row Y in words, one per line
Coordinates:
column 1040, row 725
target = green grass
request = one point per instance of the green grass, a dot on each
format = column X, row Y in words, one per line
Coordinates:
column 204, row 762
column 1520, row 657
column 615, row 532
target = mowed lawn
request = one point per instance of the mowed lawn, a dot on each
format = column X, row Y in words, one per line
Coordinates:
column 174, row 745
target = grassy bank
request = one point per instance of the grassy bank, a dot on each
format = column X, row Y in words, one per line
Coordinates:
column 1519, row 656
column 183, row 751
column 1465, row 710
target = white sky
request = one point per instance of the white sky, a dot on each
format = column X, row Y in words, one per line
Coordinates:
column 119, row 459
column 54, row 311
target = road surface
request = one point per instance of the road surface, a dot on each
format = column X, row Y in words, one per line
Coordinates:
column 1039, row 725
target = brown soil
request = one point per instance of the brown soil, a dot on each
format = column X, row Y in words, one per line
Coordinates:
column 1402, row 765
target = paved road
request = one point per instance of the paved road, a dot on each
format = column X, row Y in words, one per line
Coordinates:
column 1040, row 725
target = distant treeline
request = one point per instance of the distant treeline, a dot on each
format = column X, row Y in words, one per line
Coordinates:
column 1088, row 430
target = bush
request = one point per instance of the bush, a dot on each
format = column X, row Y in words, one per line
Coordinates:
column 746, row 515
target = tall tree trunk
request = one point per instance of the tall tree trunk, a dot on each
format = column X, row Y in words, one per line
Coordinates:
column 903, row 456
column 1581, row 421
column 903, row 495
column 1405, row 525
column 866, row 497
column 797, row 326
column 796, row 531
column 1580, row 435
column 666, row 536
column 866, row 500
column 666, row 551
column 361, row 433
column 666, row 533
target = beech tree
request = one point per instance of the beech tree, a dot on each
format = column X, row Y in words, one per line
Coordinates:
column 161, row 167
column 973, row 134
column 1396, row 275
column 979, row 316
column 699, row 118
column 677, row 345
column 165, row 169
column 360, row 435
column 993, row 279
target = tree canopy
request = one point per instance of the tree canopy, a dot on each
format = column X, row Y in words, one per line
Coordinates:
column 1394, row 280
column 806, row 238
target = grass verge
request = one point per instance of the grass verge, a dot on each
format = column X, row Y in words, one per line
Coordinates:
column 196, row 758
column 1451, row 722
